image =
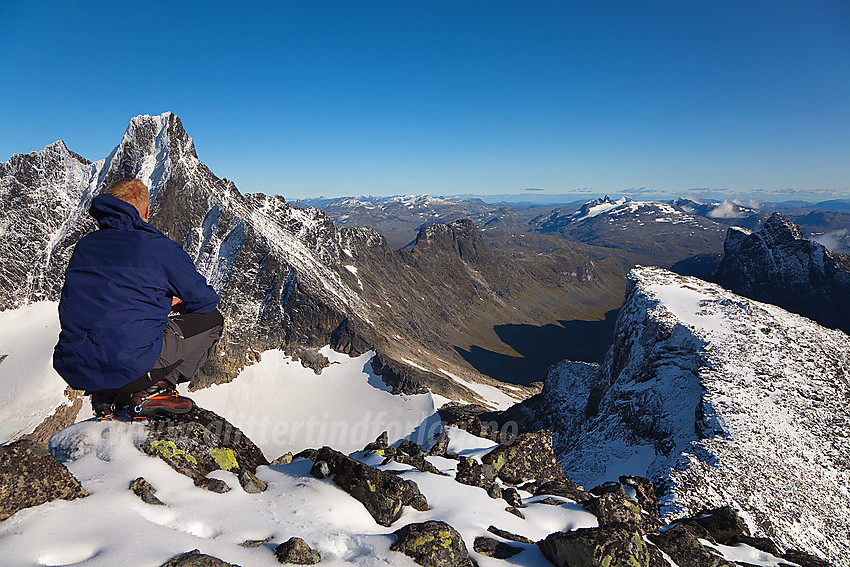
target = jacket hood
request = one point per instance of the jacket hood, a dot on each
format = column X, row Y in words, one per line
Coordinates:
column 111, row 212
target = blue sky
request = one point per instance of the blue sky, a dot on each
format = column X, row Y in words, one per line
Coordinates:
column 747, row 99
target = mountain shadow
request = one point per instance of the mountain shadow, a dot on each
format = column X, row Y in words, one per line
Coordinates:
column 542, row 346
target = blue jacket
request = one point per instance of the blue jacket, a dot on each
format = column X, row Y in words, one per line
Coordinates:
column 117, row 296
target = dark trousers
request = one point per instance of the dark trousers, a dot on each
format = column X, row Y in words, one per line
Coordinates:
column 187, row 342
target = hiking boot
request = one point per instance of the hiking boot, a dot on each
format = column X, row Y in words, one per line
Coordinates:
column 161, row 399
column 103, row 406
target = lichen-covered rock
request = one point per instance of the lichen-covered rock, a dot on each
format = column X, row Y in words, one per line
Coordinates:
column 143, row 489
column 681, row 543
column 613, row 508
column 195, row 558
column 382, row 494
column 469, row 471
column 296, row 551
column 30, row 476
column 432, row 544
column 494, row 548
column 201, row 442
column 512, row 497
column 601, row 547
column 644, row 493
column 528, row 457
column 440, row 446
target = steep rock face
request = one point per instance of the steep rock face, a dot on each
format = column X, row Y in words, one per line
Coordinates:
column 720, row 400
column 290, row 279
column 777, row 265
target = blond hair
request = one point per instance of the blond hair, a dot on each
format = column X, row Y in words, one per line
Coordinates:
column 131, row 191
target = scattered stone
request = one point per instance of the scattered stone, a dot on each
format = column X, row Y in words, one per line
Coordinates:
column 681, row 543
column 381, row 493
column 564, row 487
column 528, row 457
column 508, row 535
column 595, row 547
column 30, row 476
column 432, row 544
column 410, row 448
column 469, row 472
column 613, row 508
column 549, row 501
column 493, row 548
column 255, row 542
column 512, row 497
column 143, row 489
column 201, row 442
column 213, row 485
column 250, row 483
column 644, row 492
column 494, row 491
column 419, row 462
column 195, row 558
column 284, row 459
column 296, row 551
column 515, row 512
column 607, row 488
column 440, row 446
column 379, row 445
column 320, row 469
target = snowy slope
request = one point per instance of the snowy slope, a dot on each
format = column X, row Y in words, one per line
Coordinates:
column 724, row 400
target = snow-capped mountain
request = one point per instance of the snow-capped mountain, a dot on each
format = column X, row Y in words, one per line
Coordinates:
column 657, row 233
column 718, row 399
column 725, row 212
column 289, row 278
column 778, row 265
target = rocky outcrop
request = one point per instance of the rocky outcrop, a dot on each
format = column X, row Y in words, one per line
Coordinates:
column 778, row 265
column 201, row 442
column 528, row 457
column 597, row 547
column 699, row 384
column 382, row 494
column 432, row 544
column 31, row 476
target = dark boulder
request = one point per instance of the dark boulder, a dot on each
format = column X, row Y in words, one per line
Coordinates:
column 528, row 457
column 30, row 476
column 381, row 493
column 723, row 524
column 601, row 547
column 419, row 462
column 195, row 558
column 681, row 543
column 250, row 483
column 494, row 548
column 145, row 491
column 440, row 446
column 296, row 551
column 201, row 442
column 804, row 559
column 432, row 544
column 512, row 497
column 564, row 487
column 508, row 535
column 469, row 471
column 614, row 508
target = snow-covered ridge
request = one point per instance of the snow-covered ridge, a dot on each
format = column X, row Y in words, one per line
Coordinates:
column 726, row 401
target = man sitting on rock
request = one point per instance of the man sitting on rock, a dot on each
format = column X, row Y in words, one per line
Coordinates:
column 117, row 341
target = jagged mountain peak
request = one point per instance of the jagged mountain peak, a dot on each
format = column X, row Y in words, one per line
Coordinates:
column 461, row 236
column 777, row 228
